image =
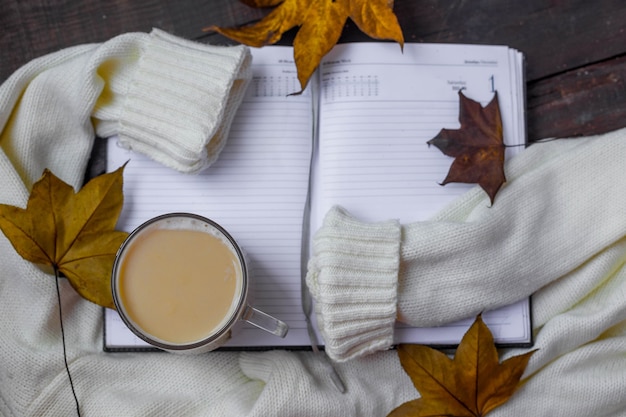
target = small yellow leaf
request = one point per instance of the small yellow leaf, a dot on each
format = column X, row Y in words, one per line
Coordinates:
column 71, row 232
column 320, row 25
column 324, row 22
column 470, row 385
column 377, row 20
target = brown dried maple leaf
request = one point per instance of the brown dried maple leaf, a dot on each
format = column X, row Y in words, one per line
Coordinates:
column 320, row 25
column 477, row 147
column 71, row 232
column 470, row 385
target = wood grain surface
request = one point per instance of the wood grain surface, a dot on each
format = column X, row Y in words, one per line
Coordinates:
column 575, row 49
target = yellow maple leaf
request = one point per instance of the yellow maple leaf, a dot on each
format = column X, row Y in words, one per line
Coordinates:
column 470, row 385
column 320, row 25
column 71, row 232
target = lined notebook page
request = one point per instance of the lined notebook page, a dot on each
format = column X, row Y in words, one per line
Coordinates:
column 256, row 190
column 374, row 120
column 378, row 108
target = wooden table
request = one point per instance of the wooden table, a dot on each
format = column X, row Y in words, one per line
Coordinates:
column 575, row 49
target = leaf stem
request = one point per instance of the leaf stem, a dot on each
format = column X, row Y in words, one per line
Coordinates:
column 531, row 143
column 67, row 368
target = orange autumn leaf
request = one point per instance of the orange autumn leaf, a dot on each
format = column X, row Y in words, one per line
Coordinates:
column 478, row 146
column 320, row 25
column 470, row 385
column 73, row 233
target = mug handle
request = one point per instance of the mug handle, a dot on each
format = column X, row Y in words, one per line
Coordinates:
column 265, row 322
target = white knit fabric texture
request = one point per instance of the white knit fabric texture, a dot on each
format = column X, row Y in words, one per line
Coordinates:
column 353, row 278
column 542, row 227
column 177, row 103
column 48, row 110
column 483, row 255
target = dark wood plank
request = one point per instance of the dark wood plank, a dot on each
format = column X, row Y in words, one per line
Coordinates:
column 586, row 101
column 12, row 40
column 34, row 28
column 556, row 36
column 575, row 49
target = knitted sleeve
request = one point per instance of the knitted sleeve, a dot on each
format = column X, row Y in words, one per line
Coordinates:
column 169, row 98
column 562, row 205
column 353, row 278
column 176, row 103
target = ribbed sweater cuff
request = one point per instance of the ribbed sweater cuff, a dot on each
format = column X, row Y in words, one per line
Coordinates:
column 182, row 100
column 353, row 277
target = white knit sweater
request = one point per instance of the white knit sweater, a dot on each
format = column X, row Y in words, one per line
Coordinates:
column 556, row 230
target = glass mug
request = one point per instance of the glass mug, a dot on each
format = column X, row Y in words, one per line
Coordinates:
column 180, row 283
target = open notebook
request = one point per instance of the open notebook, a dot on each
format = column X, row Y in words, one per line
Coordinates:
column 360, row 131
